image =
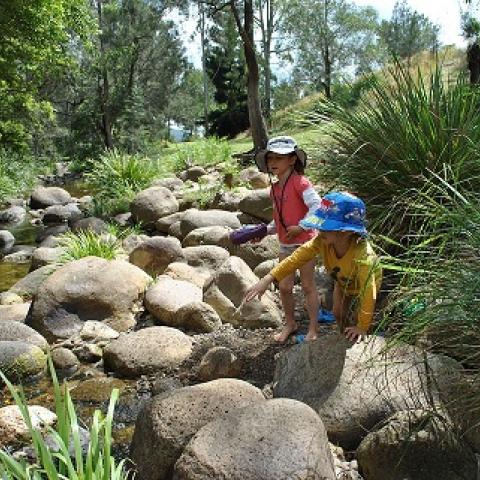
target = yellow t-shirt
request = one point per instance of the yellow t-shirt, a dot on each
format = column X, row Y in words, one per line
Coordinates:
column 357, row 272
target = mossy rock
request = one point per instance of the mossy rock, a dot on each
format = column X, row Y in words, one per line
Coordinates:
column 21, row 361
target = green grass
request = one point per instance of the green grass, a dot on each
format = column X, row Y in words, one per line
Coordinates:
column 86, row 244
column 96, row 464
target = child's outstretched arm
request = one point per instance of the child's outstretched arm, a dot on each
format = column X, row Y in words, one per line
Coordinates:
column 259, row 288
column 299, row 257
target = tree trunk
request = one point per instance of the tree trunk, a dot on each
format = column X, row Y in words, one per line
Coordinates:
column 255, row 115
column 204, row 67
column 103, row 87
column 267, row 27
column 328, row 73
column 473, row 57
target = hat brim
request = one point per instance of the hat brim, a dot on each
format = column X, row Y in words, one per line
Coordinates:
column 261, row 156
column 317, row 223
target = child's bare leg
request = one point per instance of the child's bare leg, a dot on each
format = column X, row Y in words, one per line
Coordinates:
column 307, row 278
column 288, row 304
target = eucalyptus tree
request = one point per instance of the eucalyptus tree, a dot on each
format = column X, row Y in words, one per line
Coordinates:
column 408, row 32
column 326, row 37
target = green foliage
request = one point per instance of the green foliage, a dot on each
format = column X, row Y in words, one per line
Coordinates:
column 116, row 177
column 86, row 244
column 408, row 32
column 404, row 129
column 327, row 36
column 18, row 173
column 33, row 48
column 96, row 464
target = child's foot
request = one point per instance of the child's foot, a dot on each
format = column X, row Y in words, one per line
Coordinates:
column 285, row 333
column 311, row 336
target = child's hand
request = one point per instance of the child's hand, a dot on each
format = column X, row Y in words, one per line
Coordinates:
column 293, row 231
column 354, row 333
column 258, row 289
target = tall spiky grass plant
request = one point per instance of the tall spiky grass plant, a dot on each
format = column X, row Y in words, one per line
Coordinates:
column 59, row 463
column 87, row 244
column 405, row 127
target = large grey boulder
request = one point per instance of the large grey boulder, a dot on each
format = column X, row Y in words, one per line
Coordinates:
column 168, row 421
column 206, row 257
column 258, row 204
column 16, row 331
column 276, row 439
column 153, row 203
column 354, row 387
column 14, row 313
column 7, row 241
column 154, row 254
column 12, row 215
column 230, row 199
column 147, row 351
column 167, row 296
column 194, row 173
column 61, row 213
column 88, row 289
column 172, row 183
column 198, row 317
column 21, row 361
column 225, row 291
column 194, row 219
column 89, row 224
column 254, row 178
column 216, row 235
column 43, row 197
column 416, row 445
column 256, row 253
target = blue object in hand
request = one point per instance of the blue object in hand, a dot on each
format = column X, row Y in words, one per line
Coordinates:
column 325, row 316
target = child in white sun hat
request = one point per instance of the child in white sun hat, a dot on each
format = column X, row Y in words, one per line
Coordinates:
column 294, row 199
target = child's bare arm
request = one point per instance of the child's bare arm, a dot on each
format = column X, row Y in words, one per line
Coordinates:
column 259, row 288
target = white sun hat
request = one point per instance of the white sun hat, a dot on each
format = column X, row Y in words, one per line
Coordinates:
column 281, row 145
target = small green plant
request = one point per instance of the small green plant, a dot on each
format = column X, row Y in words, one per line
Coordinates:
column 86, row 244
column 121, row 232
column 59, row 464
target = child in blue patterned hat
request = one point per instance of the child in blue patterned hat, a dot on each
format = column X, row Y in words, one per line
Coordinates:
column 348, row 257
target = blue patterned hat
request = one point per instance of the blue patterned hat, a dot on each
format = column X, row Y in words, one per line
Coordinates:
column 339, row 211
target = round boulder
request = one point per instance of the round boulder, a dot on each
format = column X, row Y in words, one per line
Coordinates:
column 416, row 444
column 91, row 288
column 7, row 240
column 256, row 253
column 225, row 291
column 216, row 235
column 14, row 313
column 258, row 204
column 64, row 359
column 16, row 331
column 168, row 421
column 198, row 317
column 13, row 215
column 147, row 351
column 156, row 253
column 14, row 430
column 194, row 218
column 219, row 362
column 206, row 257
column 90, row 224
column 163, row 224
column 153, row 203
column 43, row 197
column 45, row 256
column 167, row 296
column 271, row 440
column 61, row 213
column 21, row 361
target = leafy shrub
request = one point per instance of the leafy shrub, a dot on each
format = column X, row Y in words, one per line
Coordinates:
column 87, row 243
column 96, row 464
column 18, row 173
